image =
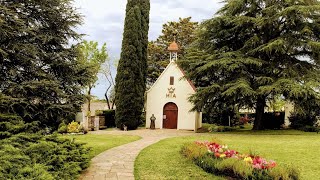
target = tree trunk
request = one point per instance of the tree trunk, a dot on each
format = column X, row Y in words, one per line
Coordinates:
column 112, row 106
column 106, row 96
column 89, row 101
column 258, row 122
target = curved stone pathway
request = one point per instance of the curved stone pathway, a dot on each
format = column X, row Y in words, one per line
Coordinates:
column 118, row 163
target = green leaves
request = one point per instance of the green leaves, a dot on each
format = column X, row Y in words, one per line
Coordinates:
column 255, row 49
column 40, row 76
column 33, row 156
column 132, row 68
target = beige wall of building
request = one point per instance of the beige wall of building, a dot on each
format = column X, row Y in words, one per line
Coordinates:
column 94, row 106
column 158, row 96
column 288, row 109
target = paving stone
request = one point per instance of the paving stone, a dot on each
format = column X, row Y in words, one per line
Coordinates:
column 112, row 175
column 118, row 167
column 125, row 178
column 99, row 177
column 122, row 170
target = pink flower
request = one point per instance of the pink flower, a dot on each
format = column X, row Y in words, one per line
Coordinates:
column 257, row 166
column 223, row 152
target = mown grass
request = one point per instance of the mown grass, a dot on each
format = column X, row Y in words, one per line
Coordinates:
column 164, row 161
column 102, row 142
column 295, row 148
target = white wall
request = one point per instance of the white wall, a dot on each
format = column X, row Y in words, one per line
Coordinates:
column 156, row 99
column 289, row 108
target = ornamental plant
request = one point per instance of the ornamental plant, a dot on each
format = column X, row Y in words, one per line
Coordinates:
column 220, row 160
column 222, row 151
column 62, row 128
column 73, row 127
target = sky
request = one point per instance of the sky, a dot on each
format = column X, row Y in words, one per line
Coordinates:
column 103, row 21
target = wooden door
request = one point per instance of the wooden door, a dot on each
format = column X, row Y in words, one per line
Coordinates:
column 170, row 112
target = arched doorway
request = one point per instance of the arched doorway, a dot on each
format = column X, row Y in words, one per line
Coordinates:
column 170, row 116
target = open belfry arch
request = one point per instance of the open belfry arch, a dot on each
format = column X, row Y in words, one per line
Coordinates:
column 168, row 101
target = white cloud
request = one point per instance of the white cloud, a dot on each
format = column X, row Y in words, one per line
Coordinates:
column 103, row 20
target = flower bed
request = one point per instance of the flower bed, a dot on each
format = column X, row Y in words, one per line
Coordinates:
column 220, row 160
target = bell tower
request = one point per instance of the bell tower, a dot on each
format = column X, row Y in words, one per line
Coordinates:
column 173, row 49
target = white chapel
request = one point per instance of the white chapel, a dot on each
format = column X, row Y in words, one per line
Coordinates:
column 167, row 100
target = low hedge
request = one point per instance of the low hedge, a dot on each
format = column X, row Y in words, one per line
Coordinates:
column 33, row 156
column 215, row 128
column 302, row 121
column 25, row 153
column 236, row 166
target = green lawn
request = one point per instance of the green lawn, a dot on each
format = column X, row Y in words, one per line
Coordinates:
column 102, row 142
column 296, row 148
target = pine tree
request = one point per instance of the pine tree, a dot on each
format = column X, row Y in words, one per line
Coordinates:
column 256, row 50
column 40, row 77
column 131, row 72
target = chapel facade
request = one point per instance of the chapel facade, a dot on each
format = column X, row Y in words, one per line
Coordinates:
column 167, row 99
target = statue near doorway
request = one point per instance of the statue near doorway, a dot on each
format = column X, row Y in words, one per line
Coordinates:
column 152, row 124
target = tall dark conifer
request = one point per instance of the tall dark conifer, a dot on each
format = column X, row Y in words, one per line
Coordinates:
column 131, row 73
column 40, row 78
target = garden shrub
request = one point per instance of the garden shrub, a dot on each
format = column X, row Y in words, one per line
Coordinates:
column 109, row 118
column 215, row 128
column 62, row 128
column 219, row 160
column 271, row 120
column 98, row 113
column 82, row 129
column 220, row 117
column 25, row 153
column 310, row 129
column 34, row 156
column 73, row 127
column 301, row 121
column 12, row 124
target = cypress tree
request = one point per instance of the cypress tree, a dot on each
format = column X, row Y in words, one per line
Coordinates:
column 253, row 51
column 131, row 72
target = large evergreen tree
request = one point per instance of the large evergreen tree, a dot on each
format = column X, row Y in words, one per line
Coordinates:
column 40, row 77
column 258, row 49
column 132, row 68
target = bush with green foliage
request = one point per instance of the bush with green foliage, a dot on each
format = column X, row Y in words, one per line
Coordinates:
column 62, row 128
column 300, row 120
column 215, row 128
column 234, row 168
column 11, row 124
column 109, row 116
column 219, row 115
column 25, row 153
column 73, row 127
column 271, row 120
column 34, row 156
column 310, row 129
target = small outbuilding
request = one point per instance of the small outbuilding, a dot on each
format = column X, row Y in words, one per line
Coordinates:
column 168, row 101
